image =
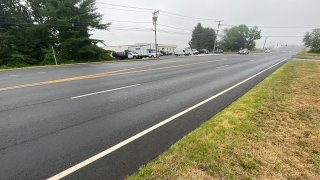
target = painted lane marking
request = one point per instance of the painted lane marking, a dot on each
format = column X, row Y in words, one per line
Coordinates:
column 150, row 129
column 41, row 72
column 222, row 66
column 109, row 90
column 106, row 74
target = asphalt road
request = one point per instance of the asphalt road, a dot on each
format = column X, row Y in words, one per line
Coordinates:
column 54, row 118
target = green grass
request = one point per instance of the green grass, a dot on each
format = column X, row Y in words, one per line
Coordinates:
column 307, row 55
column 272, row 132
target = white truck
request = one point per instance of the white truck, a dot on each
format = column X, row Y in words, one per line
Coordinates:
column 144, row 51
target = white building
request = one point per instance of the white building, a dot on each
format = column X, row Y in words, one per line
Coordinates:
column 161, row 47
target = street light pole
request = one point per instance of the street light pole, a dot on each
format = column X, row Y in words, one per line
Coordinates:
column 216, row 39
column 154, row 19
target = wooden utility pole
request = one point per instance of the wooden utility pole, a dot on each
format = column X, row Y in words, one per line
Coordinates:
column 216, row 39
column 154, row 20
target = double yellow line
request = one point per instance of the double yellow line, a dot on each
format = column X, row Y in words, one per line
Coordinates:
column 106, row 74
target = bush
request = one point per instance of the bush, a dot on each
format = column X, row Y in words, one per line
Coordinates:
column 48, row 59
column 18, row 60
column 314, row 50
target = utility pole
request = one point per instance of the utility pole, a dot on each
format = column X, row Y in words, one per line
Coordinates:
column 54, row 55
column 154, row 20
column 216, row 39
column 265, row 40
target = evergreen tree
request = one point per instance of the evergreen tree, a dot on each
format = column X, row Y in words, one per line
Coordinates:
column 70, row 22
column 202, row 38
column 30, row 27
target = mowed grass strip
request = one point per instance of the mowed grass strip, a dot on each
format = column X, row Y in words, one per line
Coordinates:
column 307, row 55
column 272, row 132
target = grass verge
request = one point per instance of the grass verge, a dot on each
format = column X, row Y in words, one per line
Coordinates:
column 307, row 55
column 272, row 132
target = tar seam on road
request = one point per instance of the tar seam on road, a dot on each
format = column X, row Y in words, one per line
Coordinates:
column 146, row 131
column 109, row 90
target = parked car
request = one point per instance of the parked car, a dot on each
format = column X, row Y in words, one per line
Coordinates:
column 203, row 51
column 267, row 51
column 125, row 55
column 165, row 53
column 218, row 51
column 162, row 53
column 195, row 52
column 243, row 51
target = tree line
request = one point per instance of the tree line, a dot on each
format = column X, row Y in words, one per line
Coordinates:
column 232, row 39
column 312, row 40
column 30, row 28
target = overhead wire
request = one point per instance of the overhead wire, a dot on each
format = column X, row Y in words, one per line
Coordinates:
column 149, row 10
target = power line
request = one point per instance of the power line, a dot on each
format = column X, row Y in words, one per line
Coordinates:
column 162, row 11
column 184, row 16
column 130, row 7
column 275, row 27
column 178, row 28
column 151, row 31
column 125, row 9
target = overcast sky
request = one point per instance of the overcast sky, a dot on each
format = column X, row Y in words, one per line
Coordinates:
column 275, row 13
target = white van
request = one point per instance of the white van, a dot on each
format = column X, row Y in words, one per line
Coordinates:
column 188, row 51
column 179, row 52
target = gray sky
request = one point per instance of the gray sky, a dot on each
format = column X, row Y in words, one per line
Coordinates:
column 275, row 13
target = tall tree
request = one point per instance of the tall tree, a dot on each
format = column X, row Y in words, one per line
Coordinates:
column 202, row 38
column 13, row 17
column 30, row 27
column 70, row 22
column 312, row 40
column 239, row 37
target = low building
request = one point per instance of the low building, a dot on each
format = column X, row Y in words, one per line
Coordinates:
column 161, row 47
column 120, row 48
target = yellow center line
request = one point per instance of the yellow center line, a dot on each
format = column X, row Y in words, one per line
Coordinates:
column 106, row 74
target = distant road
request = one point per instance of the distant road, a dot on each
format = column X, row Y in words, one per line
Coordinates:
column 52, row 119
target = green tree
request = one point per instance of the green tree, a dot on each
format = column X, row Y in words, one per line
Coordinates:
column 70, row 22
column 13, row 17
column 239, row 37
column 30, row 27
column 312, row 40
column 202, row 38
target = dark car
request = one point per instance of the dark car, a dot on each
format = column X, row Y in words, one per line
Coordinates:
column 203, row 51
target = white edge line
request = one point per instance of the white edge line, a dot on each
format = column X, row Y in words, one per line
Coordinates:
column 146, row 131
column 85, row 95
